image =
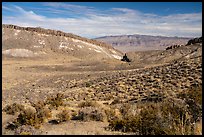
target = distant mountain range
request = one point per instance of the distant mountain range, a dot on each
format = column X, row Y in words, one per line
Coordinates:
column 126, row 43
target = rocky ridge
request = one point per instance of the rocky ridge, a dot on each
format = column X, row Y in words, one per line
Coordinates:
column 55, row 33
column 39, row 42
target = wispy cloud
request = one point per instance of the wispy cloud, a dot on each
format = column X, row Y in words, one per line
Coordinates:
column 75, row 9
column 6, row 8
column 91, row 22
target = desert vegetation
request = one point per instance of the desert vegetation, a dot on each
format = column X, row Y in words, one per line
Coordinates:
column 63, row 92
column 171, row 116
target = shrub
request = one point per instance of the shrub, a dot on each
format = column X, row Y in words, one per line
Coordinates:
column 143, row 123
column 193, row 97
column 91, row 113
column 125, row 108
column 151, row 122
column 88, row 84
column 47, row 113
column 88, row 104
column 194, row 93
column 12, row 125
column 34, row 117
column 42, row 111
column 118, row 124
column 31, row 117
column 12, row 109
column 112, row 114
column 39, row 105
column 116, row 101
column 169, row 117
column 55, row 102
column 65, row 115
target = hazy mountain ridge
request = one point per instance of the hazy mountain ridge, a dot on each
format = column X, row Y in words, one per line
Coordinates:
column 126, row 43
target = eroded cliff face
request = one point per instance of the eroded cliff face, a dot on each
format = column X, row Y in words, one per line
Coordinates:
column 127, row 43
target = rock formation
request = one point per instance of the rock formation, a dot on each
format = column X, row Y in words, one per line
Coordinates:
column 125, row 58
column 194, row 41
column 173, row 47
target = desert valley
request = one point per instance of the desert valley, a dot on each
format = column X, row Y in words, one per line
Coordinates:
column 60, row 83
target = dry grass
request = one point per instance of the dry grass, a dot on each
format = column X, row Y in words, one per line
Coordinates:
column 193, row 97
column 170, row 117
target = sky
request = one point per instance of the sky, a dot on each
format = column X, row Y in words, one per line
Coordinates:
column 97, row 19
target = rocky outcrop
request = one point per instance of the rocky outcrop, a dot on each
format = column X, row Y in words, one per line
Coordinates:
column 190, row 42
column 173, row 47
column 56, row 33
column 125, row 58
column 194, row 41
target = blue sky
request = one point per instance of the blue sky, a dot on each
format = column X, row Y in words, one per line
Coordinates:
column 95, row 19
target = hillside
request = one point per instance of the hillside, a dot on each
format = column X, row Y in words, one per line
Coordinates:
column 38, row 42
column 126, row 43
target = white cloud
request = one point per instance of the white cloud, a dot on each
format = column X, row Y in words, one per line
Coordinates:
column 116, row 21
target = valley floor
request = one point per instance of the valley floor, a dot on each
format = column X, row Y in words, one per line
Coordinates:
column 27, row 81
